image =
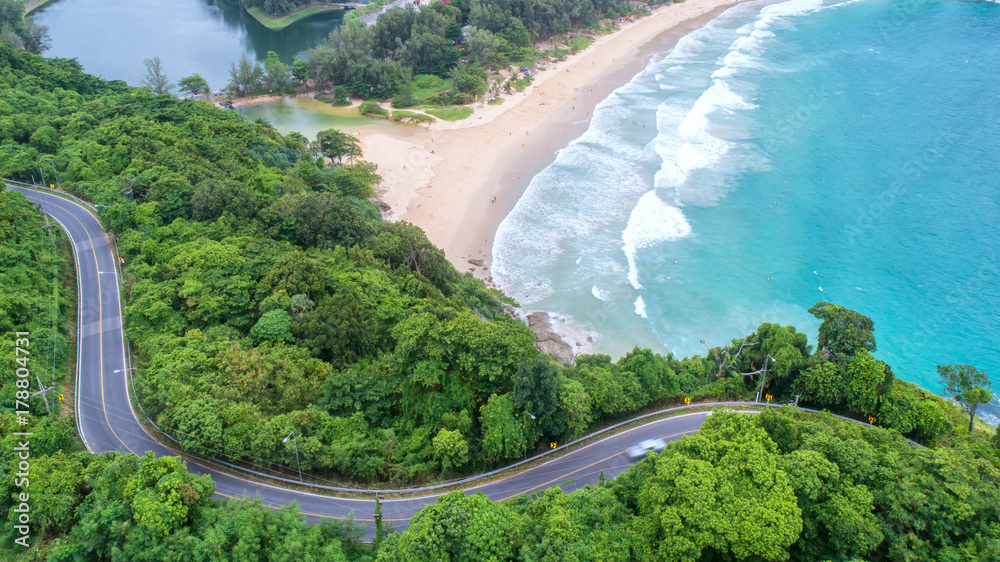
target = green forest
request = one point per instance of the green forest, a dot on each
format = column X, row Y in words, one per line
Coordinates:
column 459, row 41
column 19, row 31
column 265, row 294
column 542, row 17
column 461, row 45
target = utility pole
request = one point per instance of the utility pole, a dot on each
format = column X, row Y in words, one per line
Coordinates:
column 44, row 394
column 763, row 375
column 54, row 171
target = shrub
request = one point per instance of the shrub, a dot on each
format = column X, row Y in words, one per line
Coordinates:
column 403, row 99
column 372, row 109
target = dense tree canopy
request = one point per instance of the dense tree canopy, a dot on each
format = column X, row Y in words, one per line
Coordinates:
column 21, row 32
column 36, row 295
column 781, row 485
column 843, row 332
column 263, row 288
column 266, row 295
column 458, row 40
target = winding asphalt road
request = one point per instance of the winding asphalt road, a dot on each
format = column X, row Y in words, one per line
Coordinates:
column 107, row 422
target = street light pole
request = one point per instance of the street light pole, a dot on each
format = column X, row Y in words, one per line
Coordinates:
column 530, row 415
column 295, row 443
column 763, row 375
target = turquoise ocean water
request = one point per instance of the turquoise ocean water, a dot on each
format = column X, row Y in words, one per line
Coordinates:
column 787, row 153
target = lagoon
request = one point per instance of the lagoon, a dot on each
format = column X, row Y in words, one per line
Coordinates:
column 308, row 116
column 111, row 38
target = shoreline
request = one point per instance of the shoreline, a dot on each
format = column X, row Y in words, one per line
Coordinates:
column 31, row 7
column 246, row 101
column 459, row 180
column 281, row 22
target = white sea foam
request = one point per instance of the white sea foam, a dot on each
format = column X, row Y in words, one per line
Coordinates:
column 747, row 49
column 689, row 145
column 691, row 135
column 849, row 2
column 775, row 12
column 584, row 205
column 988, row 412
column 591, row 184
column 640, row 307
column 600, row 294
column 651, row 222
column 572, row 332
column 588, row 192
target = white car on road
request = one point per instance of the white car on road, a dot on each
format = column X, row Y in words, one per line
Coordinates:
column 642, row 449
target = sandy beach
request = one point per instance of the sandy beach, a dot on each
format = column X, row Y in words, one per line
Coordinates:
column 459, row 180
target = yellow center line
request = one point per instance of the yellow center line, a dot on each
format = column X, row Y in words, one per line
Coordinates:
column 558, row 478
column 100, row 325
column 342, row 518
column 104, row 407
column 564, row 476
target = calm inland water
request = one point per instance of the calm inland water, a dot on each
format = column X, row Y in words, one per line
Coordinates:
column 111, row 38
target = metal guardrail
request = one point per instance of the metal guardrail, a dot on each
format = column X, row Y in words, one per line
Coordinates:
column 416, row 489
column 485, row 475
column 89, row 206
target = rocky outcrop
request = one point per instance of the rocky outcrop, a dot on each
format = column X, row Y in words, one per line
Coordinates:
column 547, row 340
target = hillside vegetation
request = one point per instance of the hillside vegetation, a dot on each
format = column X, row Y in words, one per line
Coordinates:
column 266, row 295
column 457, row 42
column 781, row 485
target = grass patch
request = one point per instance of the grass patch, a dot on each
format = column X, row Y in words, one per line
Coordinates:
column 451, row 113
column 525, row 57
column 602, row 29
column 495, row 101
column 571, row 46
column 427, row 85
column 558, row 54
column 285, row 21
column 521, row 83
column 579, row 43
column 411, row 117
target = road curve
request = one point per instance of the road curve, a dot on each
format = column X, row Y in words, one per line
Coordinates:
column 107, row 422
